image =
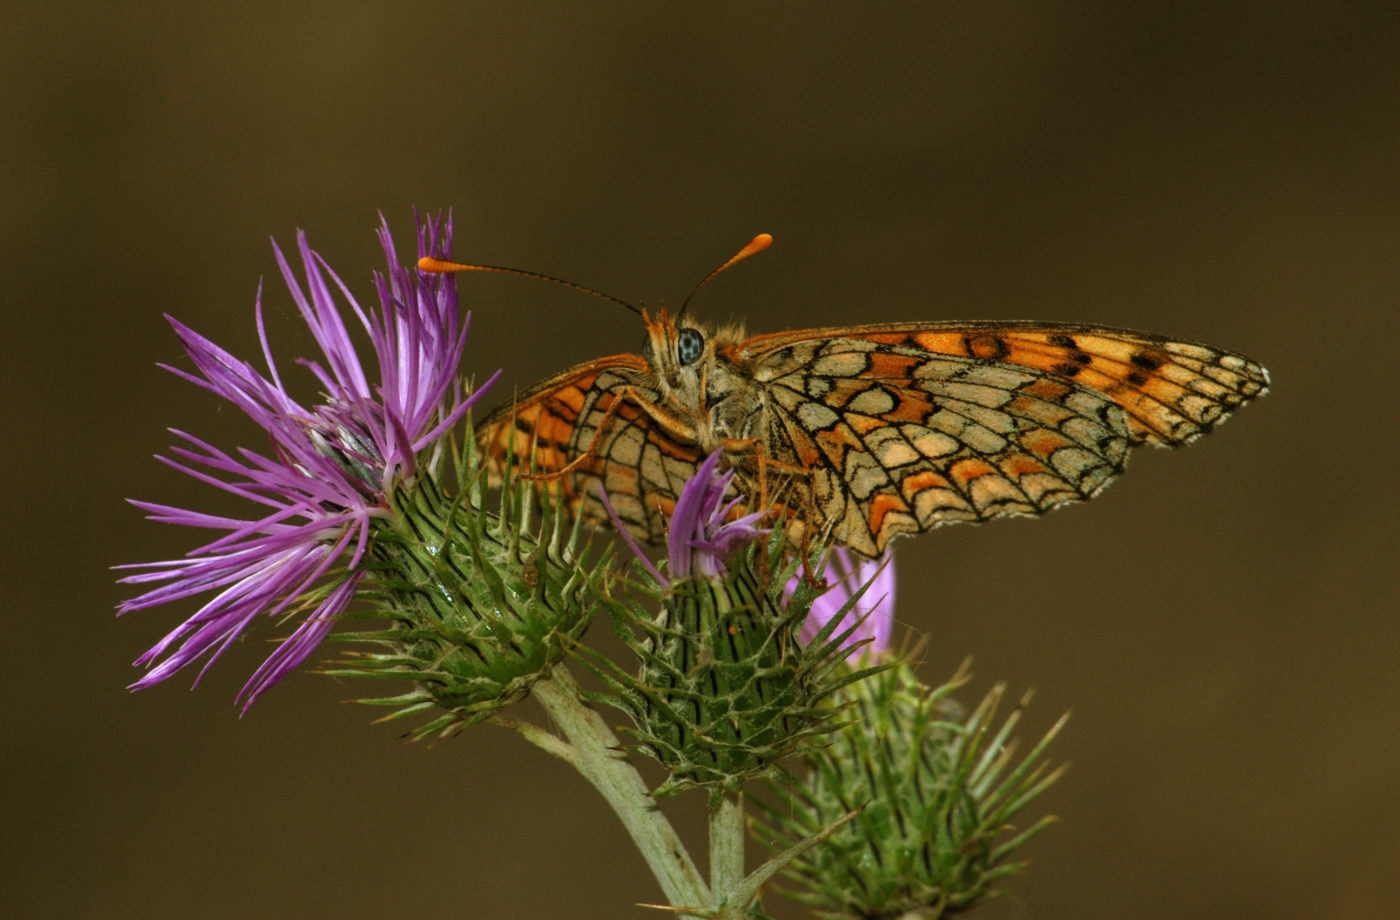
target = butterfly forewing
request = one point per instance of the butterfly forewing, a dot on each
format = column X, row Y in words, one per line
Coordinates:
column 1173, row 391
column 556, row 421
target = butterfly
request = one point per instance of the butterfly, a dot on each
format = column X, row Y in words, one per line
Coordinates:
column 869, row 431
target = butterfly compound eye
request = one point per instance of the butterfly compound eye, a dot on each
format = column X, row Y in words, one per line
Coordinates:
column 690, row 345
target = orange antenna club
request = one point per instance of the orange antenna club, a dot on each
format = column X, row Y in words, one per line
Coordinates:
column 752, row 247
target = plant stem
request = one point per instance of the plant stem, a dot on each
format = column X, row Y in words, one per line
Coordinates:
column 596, row 753
column 727, row 851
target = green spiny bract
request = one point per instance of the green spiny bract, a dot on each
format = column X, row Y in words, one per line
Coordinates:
column 724, row 688
column 482, row 604
column 937, row 792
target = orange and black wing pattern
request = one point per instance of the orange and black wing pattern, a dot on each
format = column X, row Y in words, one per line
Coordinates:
column 904, row 427
column 591, row 416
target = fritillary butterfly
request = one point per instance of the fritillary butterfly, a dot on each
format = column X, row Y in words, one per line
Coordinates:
column 871, row 431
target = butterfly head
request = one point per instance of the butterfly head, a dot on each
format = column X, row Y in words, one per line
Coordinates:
column 677, row 349
column 681, row 351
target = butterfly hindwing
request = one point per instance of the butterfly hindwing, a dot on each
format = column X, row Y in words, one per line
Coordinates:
column 899, row 441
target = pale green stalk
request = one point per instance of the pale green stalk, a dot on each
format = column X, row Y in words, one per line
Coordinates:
column 727, row 852
column 591, row 747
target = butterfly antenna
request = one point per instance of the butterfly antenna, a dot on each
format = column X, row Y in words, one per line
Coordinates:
column 754, row 246
column 443, row 266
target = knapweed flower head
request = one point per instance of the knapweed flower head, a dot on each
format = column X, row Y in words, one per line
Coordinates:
column 858, row 594
column 330, row 466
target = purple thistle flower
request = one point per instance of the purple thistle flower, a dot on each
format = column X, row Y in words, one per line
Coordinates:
column 702, row 536
column 845, row 577
column 329, row 468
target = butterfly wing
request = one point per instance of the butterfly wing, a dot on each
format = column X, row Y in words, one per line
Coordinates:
column 557, row 421
column 907, row 426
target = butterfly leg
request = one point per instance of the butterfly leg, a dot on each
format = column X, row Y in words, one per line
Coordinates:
column 762, row 462
column 608, row 415
column 796, row 513
column 669, row 423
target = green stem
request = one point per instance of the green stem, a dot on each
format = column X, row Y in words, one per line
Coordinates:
column 595, row 752
column 727, row 852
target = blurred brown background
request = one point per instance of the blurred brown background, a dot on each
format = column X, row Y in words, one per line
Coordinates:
column 1222, row 622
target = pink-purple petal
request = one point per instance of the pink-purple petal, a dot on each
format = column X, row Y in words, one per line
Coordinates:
column 627, row 536
column 872, row 615
column 302, row 642
column 701, row 538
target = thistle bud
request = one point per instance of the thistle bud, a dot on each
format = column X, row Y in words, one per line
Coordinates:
column 482, row 604
column 938, row 793
column 724, row 687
